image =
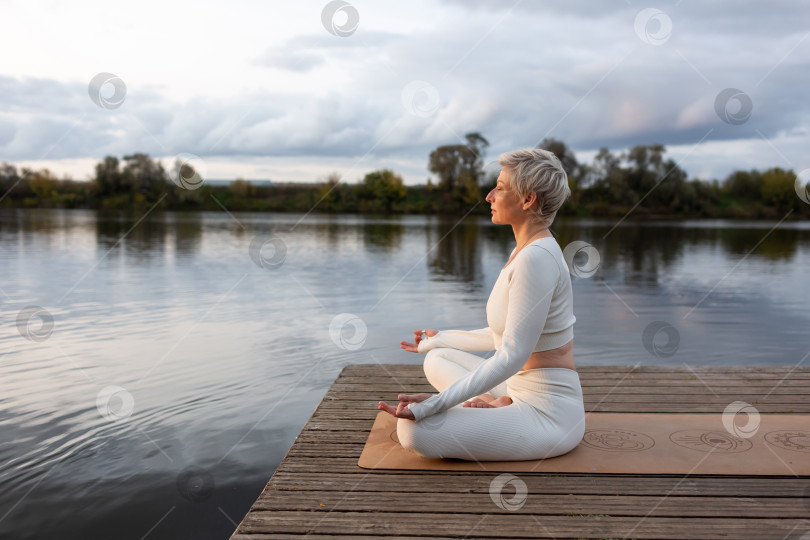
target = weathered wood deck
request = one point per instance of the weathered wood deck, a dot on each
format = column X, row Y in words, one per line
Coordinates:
column 319, row 491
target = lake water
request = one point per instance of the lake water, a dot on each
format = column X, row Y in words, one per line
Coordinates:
column 154, row 371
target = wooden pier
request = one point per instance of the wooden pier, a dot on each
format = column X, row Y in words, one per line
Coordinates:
column 318, row 490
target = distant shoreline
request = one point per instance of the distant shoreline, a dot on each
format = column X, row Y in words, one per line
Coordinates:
column 641, row 185
column 636, row 218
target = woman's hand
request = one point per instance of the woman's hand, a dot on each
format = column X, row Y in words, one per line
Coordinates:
column 401, row 410
column 413, row 347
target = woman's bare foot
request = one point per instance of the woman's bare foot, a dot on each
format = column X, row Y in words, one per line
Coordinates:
column 477, row 403
column 501, row 401
column 483, row 404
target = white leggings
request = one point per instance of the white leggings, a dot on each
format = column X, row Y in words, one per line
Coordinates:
column 546, row 417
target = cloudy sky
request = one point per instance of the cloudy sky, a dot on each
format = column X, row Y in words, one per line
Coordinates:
column 291, row 91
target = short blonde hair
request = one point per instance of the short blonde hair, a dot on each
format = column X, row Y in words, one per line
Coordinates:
column 533, row 169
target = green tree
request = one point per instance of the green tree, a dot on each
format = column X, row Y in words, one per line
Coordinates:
column 478, row 145
column 242, row 189
column 609, row 180
column 778, row 189
column 646, row 167
column 108, row 180
column 381, row 192
column 183, row 196
column 575, row 172
column 9, row 177
column 459, row 165
column 331, row 194
column 660, row 185
column 566, row 156
column 744, row 185
column 144, row 175
column 44, row 187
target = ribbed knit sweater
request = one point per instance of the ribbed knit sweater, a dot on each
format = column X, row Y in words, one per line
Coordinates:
column 530, row 308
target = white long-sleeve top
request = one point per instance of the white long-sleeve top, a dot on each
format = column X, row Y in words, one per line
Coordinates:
column 530, row 308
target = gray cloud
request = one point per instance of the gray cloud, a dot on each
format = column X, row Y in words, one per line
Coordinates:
column 591, row 9
column 721, row 17
column 305, row 52
column 7, row 131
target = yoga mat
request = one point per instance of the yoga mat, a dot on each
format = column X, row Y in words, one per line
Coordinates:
column 636, row 443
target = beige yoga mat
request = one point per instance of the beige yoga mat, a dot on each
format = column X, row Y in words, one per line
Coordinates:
column 636, row 443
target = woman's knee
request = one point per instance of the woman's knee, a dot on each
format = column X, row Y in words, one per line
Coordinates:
column 435, row 355
column 407, row 433
column 431, row 354
column 435, row 365
column 568, row 437
column 412, row 437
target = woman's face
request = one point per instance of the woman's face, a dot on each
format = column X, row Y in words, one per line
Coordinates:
column 504, row 202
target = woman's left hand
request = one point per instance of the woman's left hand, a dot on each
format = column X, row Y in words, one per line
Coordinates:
column 414, row 347
column 401, row 410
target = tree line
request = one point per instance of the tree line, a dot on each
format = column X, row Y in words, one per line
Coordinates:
column 640, row 181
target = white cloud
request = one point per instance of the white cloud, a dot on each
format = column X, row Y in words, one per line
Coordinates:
column 696, row 114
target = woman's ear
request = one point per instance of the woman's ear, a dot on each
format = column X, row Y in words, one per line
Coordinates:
column 528, row 200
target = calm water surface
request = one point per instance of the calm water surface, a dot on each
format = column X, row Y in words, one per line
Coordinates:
column 178, row 371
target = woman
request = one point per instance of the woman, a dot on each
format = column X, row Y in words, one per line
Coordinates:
column 525, row 401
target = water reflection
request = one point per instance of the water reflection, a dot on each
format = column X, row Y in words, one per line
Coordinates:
column 643, row 253
column 187, row 230
column 780, row 245
column 456, row 251
column 383, row 237
column 639, row 255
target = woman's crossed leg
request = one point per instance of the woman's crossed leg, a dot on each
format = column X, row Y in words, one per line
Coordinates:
column 471, row 433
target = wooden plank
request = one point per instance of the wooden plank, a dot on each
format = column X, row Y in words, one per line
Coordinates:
column 541, row 504
column 328, row 463
column 513, row 525
column 545, row 483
